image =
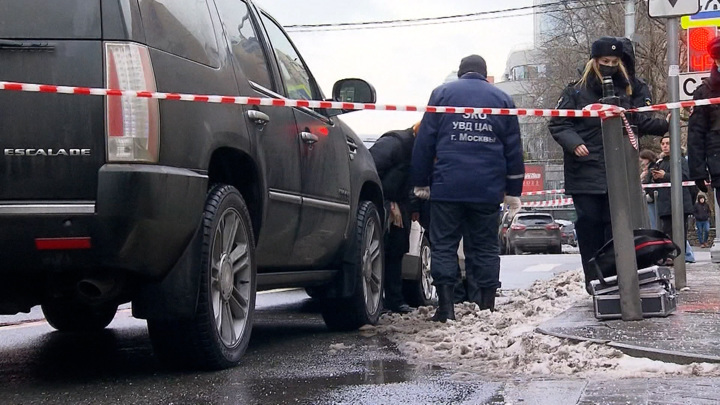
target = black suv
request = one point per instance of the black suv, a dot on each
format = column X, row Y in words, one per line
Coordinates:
column 185, row 209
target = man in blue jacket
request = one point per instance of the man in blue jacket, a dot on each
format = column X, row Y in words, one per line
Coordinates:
column 471, row 163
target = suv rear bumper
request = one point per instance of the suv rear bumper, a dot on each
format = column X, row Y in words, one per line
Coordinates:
column 142, row 220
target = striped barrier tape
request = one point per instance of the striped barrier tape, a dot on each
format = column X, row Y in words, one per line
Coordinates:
column 549, row 203
column 649, row 185
column 604, row 111
column 544, row 192
column 594, row 110
column 663, row 185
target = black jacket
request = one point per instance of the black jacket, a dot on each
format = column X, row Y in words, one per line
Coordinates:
column 701, row 211
column 663, row 204
column 704, row 133
column 392, row 154
column 586, row 175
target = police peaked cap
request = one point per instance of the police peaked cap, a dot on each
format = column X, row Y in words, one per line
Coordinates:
column 606, row 46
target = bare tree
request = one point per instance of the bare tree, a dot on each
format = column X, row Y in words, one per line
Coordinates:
column 568, row 31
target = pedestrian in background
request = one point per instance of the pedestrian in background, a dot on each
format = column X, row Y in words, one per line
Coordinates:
column 704, row 128
column 581, row 140
column 701, row 211
column 475, row 162
column 661, row 174
column 647, row 160
column 392, row 154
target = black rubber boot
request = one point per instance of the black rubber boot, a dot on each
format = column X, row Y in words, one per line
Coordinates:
column 446, row 307
column 487, row 299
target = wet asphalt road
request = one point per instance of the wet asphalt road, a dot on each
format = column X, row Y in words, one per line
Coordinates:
column 292, row 358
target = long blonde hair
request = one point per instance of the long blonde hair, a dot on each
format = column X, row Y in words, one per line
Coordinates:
column 592, row 67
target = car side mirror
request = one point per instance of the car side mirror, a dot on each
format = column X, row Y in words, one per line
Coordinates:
column 352, row 91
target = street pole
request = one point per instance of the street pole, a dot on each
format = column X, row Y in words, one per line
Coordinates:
column 619, row 186
column 638, row 205
column 715, row 248
column 676, row 191
column 629, row 19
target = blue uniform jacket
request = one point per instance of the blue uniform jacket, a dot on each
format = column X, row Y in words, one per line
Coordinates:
column 479, row 157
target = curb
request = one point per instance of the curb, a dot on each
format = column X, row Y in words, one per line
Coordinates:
column 667, row 356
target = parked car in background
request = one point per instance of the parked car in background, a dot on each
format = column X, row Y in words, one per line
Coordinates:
column 533, row 232
column 567, row 232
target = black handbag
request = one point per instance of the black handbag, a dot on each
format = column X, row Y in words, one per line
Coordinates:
column 651, row 247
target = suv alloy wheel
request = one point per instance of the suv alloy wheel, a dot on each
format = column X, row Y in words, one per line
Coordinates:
column 364, row 306
column 219, row 333
column 421, row 292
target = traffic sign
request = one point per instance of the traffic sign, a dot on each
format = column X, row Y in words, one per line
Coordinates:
column 689, row 82
column 708, row 16
column 673, row 8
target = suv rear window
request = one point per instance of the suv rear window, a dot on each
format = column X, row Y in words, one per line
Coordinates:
column 182, row 28
column 535, row 219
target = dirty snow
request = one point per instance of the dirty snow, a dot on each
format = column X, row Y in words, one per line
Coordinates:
column 505, row 343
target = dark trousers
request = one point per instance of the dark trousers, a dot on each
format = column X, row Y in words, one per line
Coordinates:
column 477, row 224
column 593, row 227
column 397, row 243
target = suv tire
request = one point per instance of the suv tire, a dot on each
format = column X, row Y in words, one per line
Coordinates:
column 218, row 335
column 67, row 315
column 421, row 292
column 364, row 305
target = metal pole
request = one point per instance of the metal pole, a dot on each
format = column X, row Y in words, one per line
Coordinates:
column 715, row 248
column 638, row 206
column 676, row 192
column 657, row 216
column 618, row 183
column 629, row 19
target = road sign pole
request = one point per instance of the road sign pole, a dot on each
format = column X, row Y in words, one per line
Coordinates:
column 676, row 192
column 629, row 19
column 619, row 196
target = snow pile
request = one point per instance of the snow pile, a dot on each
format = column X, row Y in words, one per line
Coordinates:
column 504, row 342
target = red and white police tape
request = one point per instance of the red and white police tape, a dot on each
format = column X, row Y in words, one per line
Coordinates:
column 649, row 185
column 549, row 203
column 598, row 110
column 594, row 110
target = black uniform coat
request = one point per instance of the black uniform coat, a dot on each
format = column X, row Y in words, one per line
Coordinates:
column 586, row 174
column 704, row 133
column 392, row 154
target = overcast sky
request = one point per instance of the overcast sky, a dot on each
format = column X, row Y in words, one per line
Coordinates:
column 404, row 64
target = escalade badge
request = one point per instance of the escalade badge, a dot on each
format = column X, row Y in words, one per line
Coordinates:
column 47, row 152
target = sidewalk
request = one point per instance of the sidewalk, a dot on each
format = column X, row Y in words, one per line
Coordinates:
column 690, row 334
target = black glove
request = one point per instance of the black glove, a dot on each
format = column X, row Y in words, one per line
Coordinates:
column 701, row 185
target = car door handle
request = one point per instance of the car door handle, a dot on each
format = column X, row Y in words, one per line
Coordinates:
column 308, row 137
column 258, row 117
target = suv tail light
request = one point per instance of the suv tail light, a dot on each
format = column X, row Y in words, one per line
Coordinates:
column 518, row 227
column 131, row 122
column 552, row 227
